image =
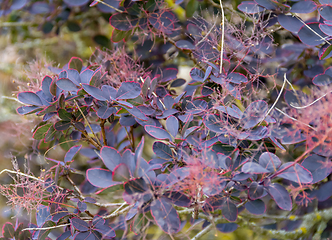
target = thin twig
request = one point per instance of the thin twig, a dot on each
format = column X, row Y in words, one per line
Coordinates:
column 275, row 102
column 310, row 103
column 46, row 228
column 102, row 125
column 295, row 119
column 222, row 36
column 22, row 174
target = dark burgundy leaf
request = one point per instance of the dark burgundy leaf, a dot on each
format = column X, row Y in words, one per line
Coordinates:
column 29, row 98
column 324, row 192
column 128, row 90
column 185, row 44
column 213, row 203
column 169, row 74
column 94, row 92
column 162, row 150
column 250, row 7
column 177, row 198
column 81, row 206
column 123, row 21
column 227, row 227
column 319, row 167
column 178, row 82
column 229, row 210
column 224, row 162
column 269, row 161
column 256, row 207
column 101, row 177
column 172, row 124
column 157, row 132
column 111, row 157
column 290, row 23
column 253, row 114
column 304, row 6
column 255, row 191
column 296, row 173
column 135, row 186
column 71, row 153
column 163, row 22
column 121, row 173
column 280, row 196
column 252, row 167
column 313, row 36
column 165, row 216
column 237, row 78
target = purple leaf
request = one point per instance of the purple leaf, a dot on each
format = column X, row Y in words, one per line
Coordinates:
column 318, row 166
column 256, row 207
column 296, row 173
column 177, row 175
column 177, row 198
column 269, row 161
column 280, row 196
column 250, row 7
column 29, row 98
column 64, row 235
column 138, row 114
column 94, row 92
column 322, row 80
column 237, row 78
column 165, row 216
column 100, row 177
column 227, row 227
column 86, row 76
column 157, row 132
column 233, row 111
column 74, row 76
column 27, row 109
column 313, row 36
column 163, row 22
column 252, row 167
column 105, row 111
column 185, row 44
column 71, row 153
column 268, row 4
column 304, row 6
column 162, row 150
column 327, row 29
column 135, row 186
column 76, row 3
column 229, row 210
column 197, row 75
column 128, row 90
column 123, row 21
column 324, row 192
column 290, row 23
column 46, row 83
column 66, row 84
column 214, row 123
column 111, row 157
column 169, row 74
column 253, row 114
column 121, row 173
column 326, row 12
column 172, row 124
column 255, row 191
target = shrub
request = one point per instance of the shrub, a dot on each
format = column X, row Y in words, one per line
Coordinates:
column 229, row 152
